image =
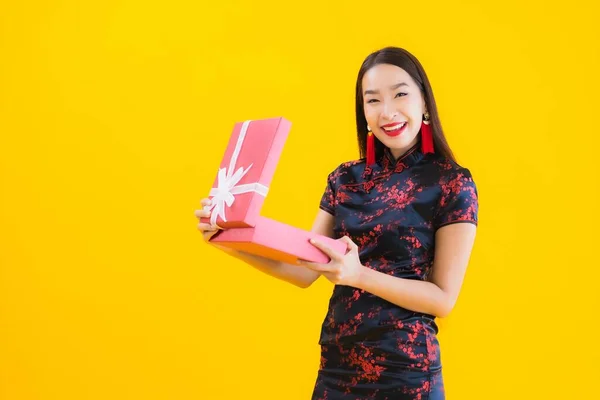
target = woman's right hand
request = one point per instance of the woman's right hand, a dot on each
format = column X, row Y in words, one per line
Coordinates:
column 207, row 230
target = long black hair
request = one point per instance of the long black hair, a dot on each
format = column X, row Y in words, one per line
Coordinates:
column 408, row 62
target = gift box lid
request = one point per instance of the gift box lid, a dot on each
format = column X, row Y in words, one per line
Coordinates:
column 246, row 171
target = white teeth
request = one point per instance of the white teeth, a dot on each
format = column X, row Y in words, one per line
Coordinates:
column 393, row 128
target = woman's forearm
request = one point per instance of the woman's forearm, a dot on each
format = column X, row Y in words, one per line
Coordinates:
column 414, row 295
column 294, row 274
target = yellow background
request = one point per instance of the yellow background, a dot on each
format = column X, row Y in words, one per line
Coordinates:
column 113, row 119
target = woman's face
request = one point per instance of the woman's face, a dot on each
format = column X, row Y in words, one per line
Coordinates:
column 394, row 107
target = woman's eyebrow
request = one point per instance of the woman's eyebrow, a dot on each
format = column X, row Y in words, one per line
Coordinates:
column 393, row 87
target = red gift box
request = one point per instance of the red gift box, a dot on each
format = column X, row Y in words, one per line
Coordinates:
column 246, row 171
column 239, row 192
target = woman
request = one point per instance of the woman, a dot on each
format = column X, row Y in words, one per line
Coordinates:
column 398, row 209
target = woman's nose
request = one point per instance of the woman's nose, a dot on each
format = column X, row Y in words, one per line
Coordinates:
column 389, row 111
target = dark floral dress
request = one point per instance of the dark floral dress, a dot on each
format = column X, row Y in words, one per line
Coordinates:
column 371, row 348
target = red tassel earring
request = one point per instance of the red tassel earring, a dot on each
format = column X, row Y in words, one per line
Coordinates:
column 370, row 147
column 426, row 135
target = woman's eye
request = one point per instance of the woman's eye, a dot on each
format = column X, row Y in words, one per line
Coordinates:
column 402, row 93
column 371, row 100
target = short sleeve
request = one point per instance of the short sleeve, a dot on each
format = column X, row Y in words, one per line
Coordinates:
column 459, row 201
column 328, row 199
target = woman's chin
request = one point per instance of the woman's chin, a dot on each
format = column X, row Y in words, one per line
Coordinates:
column 400, row 143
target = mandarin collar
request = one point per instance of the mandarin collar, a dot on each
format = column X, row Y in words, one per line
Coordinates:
column 412, row 156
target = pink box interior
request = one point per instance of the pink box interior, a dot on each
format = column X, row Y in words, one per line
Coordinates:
column 277, row 241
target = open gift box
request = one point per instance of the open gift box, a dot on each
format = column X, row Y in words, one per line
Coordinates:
column 239, row 191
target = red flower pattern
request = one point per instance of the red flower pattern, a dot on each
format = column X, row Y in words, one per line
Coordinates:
column 371, row 348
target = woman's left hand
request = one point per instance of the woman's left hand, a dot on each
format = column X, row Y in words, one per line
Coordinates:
column 343, row 269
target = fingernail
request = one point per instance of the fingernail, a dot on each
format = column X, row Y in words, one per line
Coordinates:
column 312, row 241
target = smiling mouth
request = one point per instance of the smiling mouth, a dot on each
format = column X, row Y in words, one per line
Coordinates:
column 394, row 130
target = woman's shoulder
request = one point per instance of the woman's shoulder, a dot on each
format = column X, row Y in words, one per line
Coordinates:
column 451, row 177
column 449, row 168
column 348, row 172
column 350, row 166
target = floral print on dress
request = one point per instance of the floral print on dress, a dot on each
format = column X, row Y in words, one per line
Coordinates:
column 371, row 348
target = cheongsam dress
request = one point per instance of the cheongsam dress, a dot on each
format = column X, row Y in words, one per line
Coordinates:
column 371, row 348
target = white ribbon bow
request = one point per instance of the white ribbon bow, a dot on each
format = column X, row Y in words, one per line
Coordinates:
column 227, row 183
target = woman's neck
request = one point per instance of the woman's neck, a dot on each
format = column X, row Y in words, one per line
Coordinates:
column 399, row 152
